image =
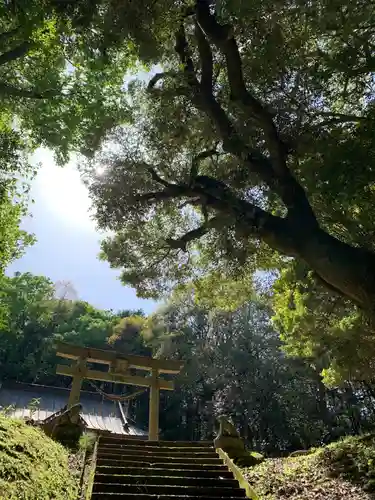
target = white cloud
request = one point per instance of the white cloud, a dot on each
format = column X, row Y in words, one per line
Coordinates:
column 61, row 190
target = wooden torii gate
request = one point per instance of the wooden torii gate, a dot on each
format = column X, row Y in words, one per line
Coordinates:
column 117, row 372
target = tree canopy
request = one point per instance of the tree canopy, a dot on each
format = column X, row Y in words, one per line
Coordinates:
column 253, row 145
column 59, row 76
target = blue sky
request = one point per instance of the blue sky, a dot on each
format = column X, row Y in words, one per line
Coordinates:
column 67, row 242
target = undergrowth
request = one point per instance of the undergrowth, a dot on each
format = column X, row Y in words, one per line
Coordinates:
column 344, row 469
column 33, row 466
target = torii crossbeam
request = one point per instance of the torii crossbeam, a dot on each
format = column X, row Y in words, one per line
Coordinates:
column 118, row 365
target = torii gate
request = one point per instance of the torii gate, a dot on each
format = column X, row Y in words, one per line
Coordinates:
column 118, row 372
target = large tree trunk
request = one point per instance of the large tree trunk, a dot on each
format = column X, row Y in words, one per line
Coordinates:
column 348, row 270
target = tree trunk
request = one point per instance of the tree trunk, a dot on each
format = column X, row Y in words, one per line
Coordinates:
column 348, row 270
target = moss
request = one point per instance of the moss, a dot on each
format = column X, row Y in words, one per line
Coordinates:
column 247, row 458
column 353, row 459
column 33, row 466
column 345, row 469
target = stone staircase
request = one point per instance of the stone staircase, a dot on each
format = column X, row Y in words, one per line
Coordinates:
column 134, row 469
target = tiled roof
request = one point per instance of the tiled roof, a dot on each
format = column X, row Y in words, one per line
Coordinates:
column 98, row 413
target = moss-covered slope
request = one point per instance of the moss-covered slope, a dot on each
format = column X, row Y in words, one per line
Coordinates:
column 345, row 469
column 33, row 466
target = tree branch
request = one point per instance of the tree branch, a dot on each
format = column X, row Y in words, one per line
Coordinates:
column 369, row 67
column 10, row 90
column 205, row 56
column 273, row 171
column 195, row 234
column 182, row 49
column 232, row 142
column 171, row 190
column 209, row 192
column 160, row 76
column 15, row 53
column 8, row 34
column 156, row 177
column 197, row 159
column 155, row 196
column 342, row 117
column 222, row 37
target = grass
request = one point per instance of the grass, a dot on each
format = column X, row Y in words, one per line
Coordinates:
column 33, row 466
column 87, row 442
column 345, row 469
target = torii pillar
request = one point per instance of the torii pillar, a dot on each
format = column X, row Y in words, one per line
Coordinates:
column 153, row 418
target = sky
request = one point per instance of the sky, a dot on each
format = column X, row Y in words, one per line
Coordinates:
column 67, row 244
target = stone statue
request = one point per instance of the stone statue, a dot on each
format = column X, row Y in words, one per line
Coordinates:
column 228, row 437
column 229, row 440
column 66, row 425
column 227, row 428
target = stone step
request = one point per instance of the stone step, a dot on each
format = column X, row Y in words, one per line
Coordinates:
column 145, row 496
column 223, row 472
column 160, row 444
column 145, row 480
column 169, row 490
column 125, row 450
column 155, row 449
column 119, row 461
column 153, row 459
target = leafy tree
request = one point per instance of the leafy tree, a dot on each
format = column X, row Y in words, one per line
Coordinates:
column 13, row 240
column 322, row 327
column 127, row 335
column 35, row 320
column 59, row 76
column 13, row 194
column 234, row 364
column 25, row 299
column 254, row 145
column 35, row 317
